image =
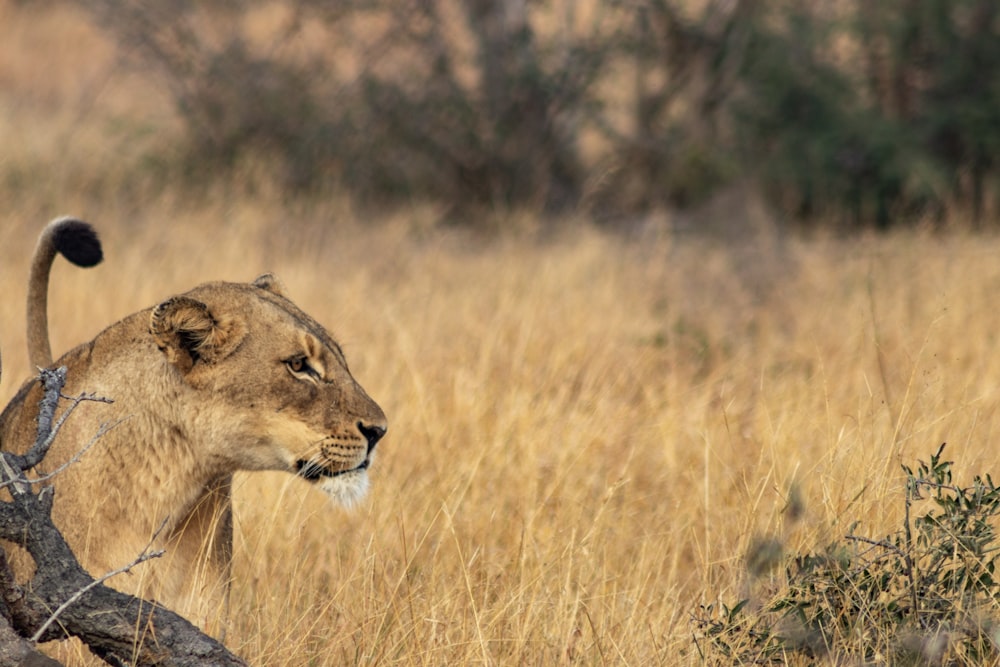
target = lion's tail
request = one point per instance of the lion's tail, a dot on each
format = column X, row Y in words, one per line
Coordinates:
column 76, row 241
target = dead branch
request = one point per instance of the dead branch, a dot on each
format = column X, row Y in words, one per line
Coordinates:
column 146, row 554
column 46, row 412
column 119, row 628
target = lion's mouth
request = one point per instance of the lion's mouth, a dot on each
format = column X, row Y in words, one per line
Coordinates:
column 314, row 471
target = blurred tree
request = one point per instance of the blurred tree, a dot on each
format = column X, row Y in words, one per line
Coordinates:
column 686, row 60
column 531, row 159
column 880, row 111
column 503, row 132
column 801, row 118
column 948, row 76
column 837, row 109
column 455, row 100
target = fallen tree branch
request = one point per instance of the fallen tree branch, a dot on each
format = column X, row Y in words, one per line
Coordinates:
column 119, row 628
column 146, row 554
column 16, row 651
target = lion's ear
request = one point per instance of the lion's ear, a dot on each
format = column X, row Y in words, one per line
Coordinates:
column 188, row 332
column 269, row 282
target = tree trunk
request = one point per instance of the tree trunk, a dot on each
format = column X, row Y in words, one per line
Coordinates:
column 532, row 162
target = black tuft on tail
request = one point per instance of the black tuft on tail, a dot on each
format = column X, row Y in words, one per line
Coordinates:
column 78, row 242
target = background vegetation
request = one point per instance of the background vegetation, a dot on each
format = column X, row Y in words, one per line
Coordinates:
column 838, row 111
column 597, row 440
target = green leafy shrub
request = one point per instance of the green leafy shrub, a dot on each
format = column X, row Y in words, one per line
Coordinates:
column 926, row 594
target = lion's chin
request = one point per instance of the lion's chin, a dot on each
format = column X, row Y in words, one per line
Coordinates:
column 348, row 488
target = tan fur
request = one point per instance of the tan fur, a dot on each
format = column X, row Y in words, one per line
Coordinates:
column 226, row 377
column 39, row 351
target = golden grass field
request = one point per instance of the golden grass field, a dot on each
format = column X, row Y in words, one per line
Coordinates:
column 586, row 431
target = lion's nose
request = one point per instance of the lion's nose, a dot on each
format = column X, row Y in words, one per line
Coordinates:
column 372, row 434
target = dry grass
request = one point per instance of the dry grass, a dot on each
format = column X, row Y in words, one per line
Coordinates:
column 585, row 433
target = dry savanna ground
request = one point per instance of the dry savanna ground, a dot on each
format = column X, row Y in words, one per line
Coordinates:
column 586, row 431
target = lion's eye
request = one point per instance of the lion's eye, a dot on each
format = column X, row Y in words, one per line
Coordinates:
column 299, row 365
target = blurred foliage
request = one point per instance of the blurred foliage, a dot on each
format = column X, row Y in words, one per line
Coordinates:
column 926, row 595
column 857, row 112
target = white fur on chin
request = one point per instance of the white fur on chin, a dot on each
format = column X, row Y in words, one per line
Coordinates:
column 347, row 489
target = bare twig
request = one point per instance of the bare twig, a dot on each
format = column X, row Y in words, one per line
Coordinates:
column 878, row 543
column 11, row 477
column 41, row 448
column 104, row 428
column 53, row 381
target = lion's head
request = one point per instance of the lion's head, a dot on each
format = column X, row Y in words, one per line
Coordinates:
column 282, row 395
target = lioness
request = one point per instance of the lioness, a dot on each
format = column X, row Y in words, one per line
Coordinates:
column 226, row 377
